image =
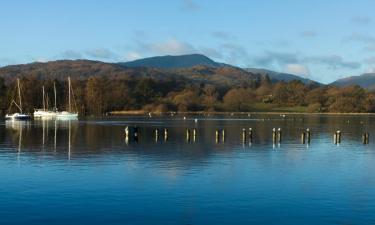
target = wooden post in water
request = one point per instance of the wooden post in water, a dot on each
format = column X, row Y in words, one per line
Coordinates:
column 194, row 135
column 365, row 138
column 337, row 137
column 187, row 135
column 136, row 134
column 279, row 135
column 223, row 135
column 308, row 135
column 217, row 136
column 156, row 135
column 303, row 137
column 250, row 135
column 126, row 134
column 243, row 135
column 165, row 134
column 274, row 135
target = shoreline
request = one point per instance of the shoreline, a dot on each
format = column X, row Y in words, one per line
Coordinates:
column 142, row 112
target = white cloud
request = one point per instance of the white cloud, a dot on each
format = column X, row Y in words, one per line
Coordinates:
column 132, row 56
column 169, row 47
column 297, row 69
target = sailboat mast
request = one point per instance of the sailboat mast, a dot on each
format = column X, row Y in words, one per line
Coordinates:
column 69, row 94
column 19, row 93
column 44, row 101
column 54, row 90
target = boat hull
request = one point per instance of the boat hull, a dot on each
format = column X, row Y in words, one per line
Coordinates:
column 43, row 114
column 67, row 116
column 17, row 116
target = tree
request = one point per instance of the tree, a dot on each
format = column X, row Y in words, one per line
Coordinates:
column 239, row 99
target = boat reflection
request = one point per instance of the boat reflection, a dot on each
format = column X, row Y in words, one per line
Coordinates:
column 28, row 134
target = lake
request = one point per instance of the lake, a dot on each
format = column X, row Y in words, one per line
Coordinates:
column 86, row 172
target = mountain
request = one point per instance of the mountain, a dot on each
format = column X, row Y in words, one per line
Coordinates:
column 366, row 81
column 277, row 76
column 173, row 62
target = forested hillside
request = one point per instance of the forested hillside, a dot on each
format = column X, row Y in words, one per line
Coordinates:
column 104, row 87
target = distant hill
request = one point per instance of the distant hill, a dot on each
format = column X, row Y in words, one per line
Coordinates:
column 277, row 76
column 82, row 69
column 173, row 62
column 366, row 80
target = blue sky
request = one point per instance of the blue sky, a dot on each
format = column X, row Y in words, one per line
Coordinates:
column 321, row 40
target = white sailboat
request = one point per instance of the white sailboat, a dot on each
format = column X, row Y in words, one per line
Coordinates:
column 18, row 115
column 45, row 113
column 68, row 115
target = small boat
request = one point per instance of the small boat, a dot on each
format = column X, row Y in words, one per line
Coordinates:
column 68, row 115
column 18, row 115
column 45, row 113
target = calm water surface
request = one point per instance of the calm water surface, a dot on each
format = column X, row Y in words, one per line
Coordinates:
column 86, row 173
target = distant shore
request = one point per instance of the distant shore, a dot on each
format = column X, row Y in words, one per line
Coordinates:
column 143, row 112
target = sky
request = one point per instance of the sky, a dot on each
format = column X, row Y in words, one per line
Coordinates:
column 322, row 40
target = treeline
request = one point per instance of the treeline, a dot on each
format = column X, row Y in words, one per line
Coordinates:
column 100, row 95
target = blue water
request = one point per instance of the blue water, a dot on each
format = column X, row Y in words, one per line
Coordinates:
column 85, row 173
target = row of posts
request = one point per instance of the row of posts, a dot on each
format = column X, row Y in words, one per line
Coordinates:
column 132, row 134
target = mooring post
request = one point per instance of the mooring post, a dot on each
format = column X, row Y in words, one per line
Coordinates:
column 136, row 134
column 303, row 137
column 194, row 134
column 365, row 138
column 250, row 135
column 127, row 133
column 187, row 135
column 156, row 135
column 244, row 135
column 308, row 135
column 279, row 135
column 338, row 136
column 217, row 136
column 165, row 134
column 274, row 135
column 223, row 135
